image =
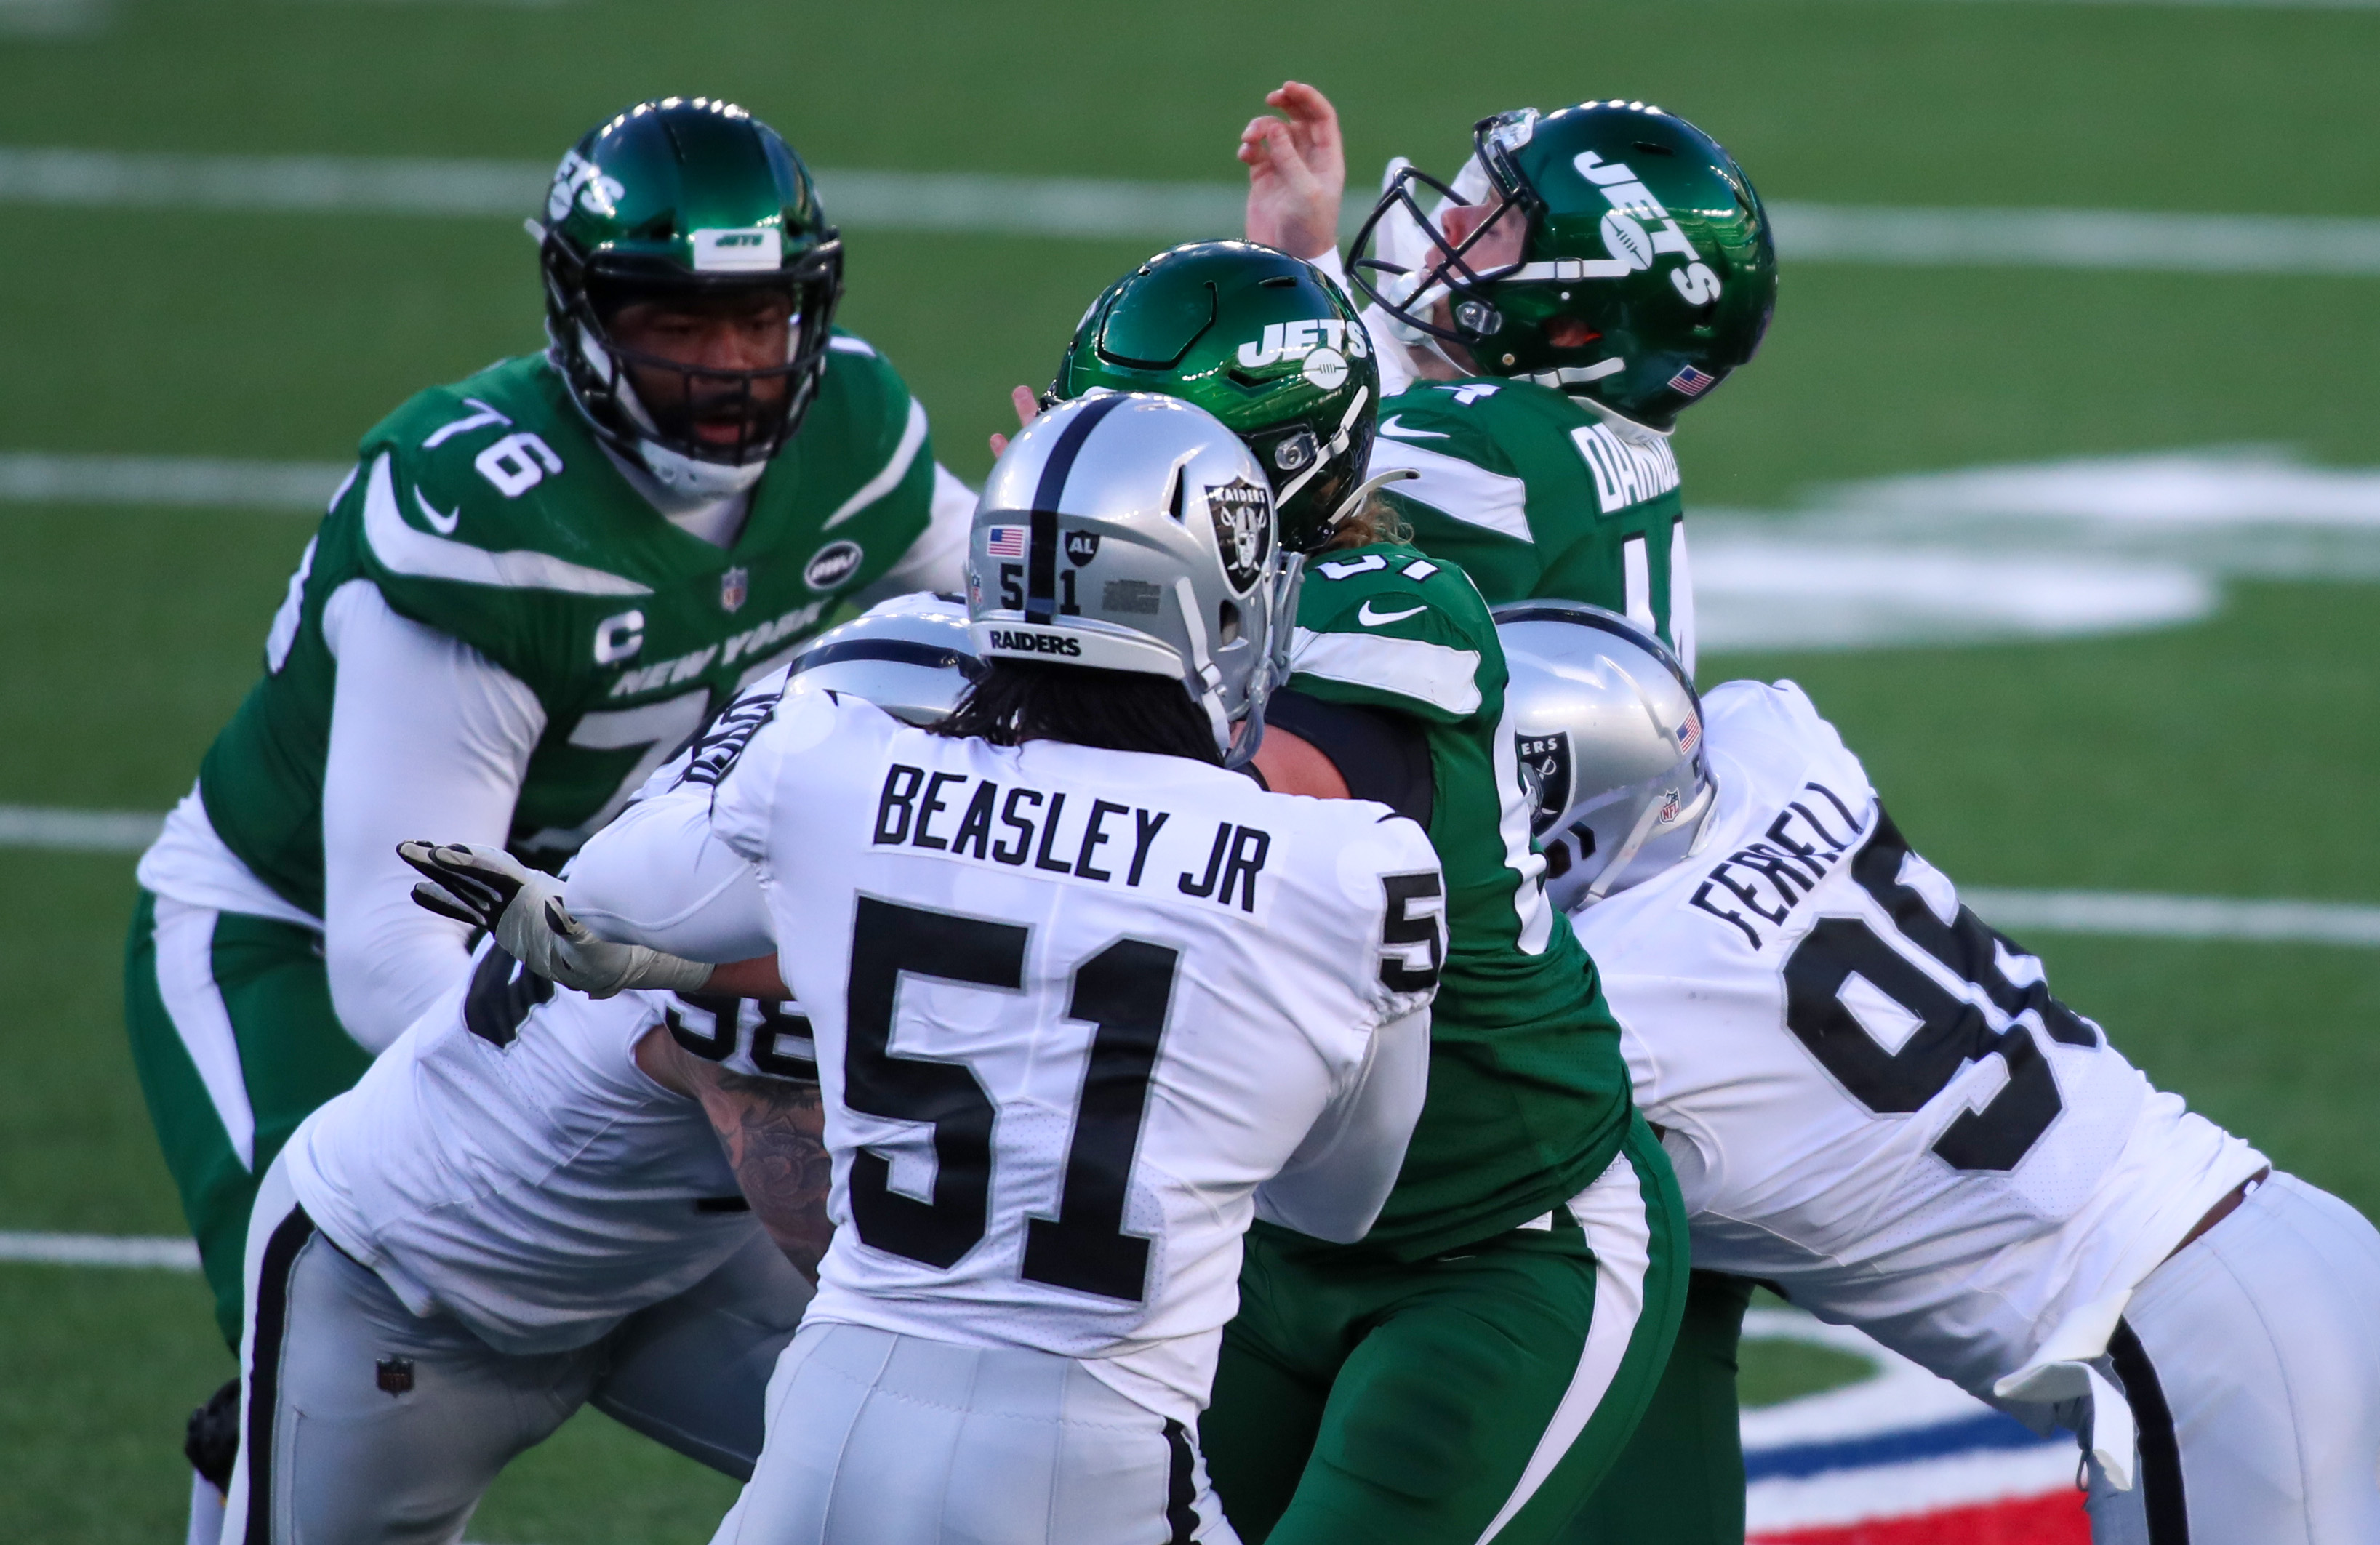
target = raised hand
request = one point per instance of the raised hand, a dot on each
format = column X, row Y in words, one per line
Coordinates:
column 1028, row 407
column 1297, row 172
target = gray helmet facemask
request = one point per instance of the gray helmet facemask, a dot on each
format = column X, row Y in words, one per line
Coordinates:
column 911, row 656
column 1610, row 740
column 1129, row 531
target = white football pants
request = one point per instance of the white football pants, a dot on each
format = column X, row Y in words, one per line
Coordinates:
column 380, row 1427
column 2252, row 1363
column 878, row 1438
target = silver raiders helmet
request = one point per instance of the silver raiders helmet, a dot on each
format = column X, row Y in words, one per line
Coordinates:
column 911, row 656
column 1134, row 532
column 1610, row 736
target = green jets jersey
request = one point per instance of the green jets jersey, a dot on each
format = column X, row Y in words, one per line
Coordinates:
column 488, row 510
column 1528, row 1092
column 1535, row 495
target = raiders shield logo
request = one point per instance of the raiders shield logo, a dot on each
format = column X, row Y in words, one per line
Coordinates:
column 1082, row 547
column 734, row 588
column 1545, row 772
column 1243, row 515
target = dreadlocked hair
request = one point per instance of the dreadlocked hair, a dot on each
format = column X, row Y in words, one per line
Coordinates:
column 1016, row 700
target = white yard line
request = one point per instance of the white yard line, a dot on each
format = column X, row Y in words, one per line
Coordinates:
column 68, row 831
column 100, row 1249
column 43, row 478
column 2163, row 917
column 982, row 203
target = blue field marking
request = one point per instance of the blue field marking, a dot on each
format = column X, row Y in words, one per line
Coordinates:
column 1986, row 1432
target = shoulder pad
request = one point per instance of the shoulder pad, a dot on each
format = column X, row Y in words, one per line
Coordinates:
column 1446, row 418
column 476, row 540
column 717, row 745
column 1384, row 623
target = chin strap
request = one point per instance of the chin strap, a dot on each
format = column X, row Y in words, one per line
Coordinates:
column 1703, row 805
column 1338, row 443
column 1623, row 426
column 1365, row 490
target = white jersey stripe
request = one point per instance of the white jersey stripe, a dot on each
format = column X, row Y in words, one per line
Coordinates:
column 1613, row 1214
column 186, row 980
column 885, row 481
column 407, row 551
column 1454, row 487
column 1638, row 577
column 1445, row 678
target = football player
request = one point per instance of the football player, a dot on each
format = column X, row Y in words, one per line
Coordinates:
column 1084, row 1001
column 1476, row 1363
column 521, row 1208
column 1874, row 1101
column 1542, row 321
column 535, row 585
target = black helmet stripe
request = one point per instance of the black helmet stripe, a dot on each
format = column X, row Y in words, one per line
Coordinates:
column 1041, row 560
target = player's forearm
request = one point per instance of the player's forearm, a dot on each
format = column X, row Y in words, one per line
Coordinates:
column 756, row 977
column 658, row 877
column 774, row 1134
column 426, row 734
column 1340, row 1178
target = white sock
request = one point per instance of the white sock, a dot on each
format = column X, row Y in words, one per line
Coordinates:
column 206, row 1511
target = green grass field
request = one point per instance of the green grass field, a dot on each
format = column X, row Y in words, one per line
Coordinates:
column 2236, row 756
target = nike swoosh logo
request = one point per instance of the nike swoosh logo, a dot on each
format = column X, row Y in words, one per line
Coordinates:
column 444, row 524
column 1371, row 618
column 1389, row 426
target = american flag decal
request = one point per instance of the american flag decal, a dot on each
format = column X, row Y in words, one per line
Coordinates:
column 1690, row 735
column 1693, row 382
column 1004, row 542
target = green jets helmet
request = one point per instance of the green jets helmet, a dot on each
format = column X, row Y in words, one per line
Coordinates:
column 1260, row 340
column 687, row 198
column 1622, row 258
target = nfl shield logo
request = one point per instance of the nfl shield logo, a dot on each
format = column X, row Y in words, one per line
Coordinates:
column 733, row 587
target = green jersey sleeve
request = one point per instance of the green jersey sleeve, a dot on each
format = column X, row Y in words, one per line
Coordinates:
column 1535, row 496
column 1386, row 626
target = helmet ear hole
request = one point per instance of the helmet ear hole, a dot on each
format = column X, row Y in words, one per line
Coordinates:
column 1227, row 624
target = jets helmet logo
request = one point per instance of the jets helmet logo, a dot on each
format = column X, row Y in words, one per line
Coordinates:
column 597, row 194
column 1633, row 208
column 1333, row 337
column 1243, row 515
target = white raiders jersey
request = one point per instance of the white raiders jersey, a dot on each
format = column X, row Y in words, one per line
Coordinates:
column 1871, row 1097
column 1073, row 1006
column 507, row 1162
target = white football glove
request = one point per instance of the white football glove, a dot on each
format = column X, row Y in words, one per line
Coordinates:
column 487, row 887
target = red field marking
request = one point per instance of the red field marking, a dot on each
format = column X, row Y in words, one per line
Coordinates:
column 2055, row 1519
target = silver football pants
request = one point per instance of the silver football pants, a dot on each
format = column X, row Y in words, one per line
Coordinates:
column 2252, row 1363
column 878, row 1438
column 363, row 1424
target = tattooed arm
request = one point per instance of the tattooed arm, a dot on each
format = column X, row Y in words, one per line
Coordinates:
column 773, row 1132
